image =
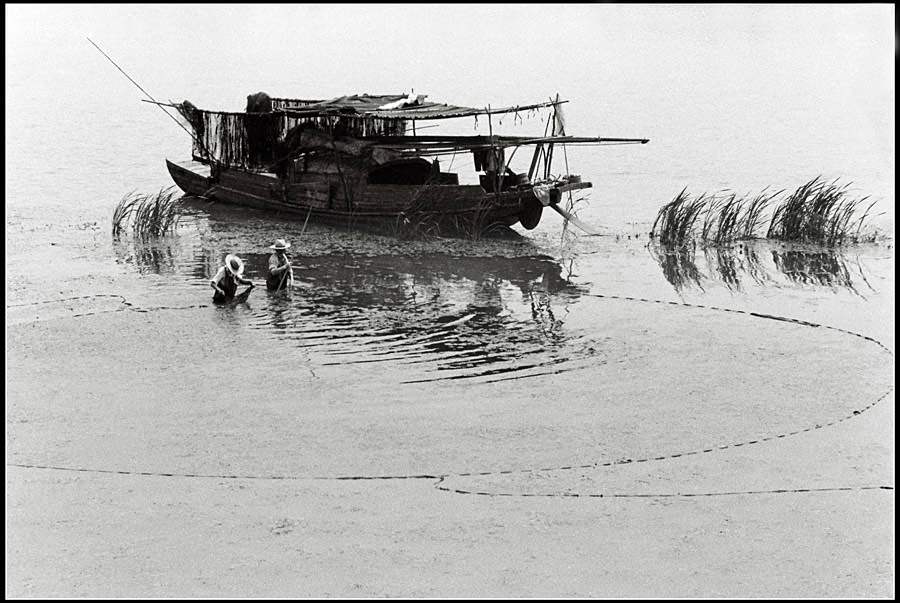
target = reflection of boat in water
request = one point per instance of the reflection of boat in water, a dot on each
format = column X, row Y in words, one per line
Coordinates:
column 735, row 264
column 456, row 315
column 359, row 161
column 446, row 313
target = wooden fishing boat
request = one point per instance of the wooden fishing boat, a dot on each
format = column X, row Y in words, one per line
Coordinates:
column 358, row 161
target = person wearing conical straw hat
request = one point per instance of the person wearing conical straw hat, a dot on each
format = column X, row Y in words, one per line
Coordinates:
column 280, row 274
column 226, row 280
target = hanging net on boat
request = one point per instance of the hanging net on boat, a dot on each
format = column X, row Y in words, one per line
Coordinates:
column 256, row 140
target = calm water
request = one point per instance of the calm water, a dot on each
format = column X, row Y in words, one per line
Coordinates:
column 541, row 365
column 728, row 101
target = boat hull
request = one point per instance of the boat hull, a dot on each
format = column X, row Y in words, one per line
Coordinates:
column 441, row 208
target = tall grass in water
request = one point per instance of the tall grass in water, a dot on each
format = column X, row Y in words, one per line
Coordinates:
column 722, row 218
column 817, row 212
column 754, row 214
column 677, row 218
column 123, row 211
column 150, row 215
column 731, row 218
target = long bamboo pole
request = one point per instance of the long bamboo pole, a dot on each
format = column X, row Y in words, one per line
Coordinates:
column 549, row 156
column 482, row 141
column 157, row 103
column 537, row 153
column 498, row 177
column 447, row 113
column 160, row 105
column 291, row 266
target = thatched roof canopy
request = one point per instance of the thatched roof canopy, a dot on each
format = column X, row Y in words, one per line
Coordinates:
column 398, row 106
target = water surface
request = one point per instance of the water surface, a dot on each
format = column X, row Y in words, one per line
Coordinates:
column 763, row 99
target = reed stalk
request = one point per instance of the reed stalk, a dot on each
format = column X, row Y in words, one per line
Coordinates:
column 150, row 215
column 122, row 212
column 817, row 212
column 754, row 211
column 677, row 218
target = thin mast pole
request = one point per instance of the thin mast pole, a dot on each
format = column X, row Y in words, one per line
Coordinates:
column 498, row 176
column 549, row 160
column 160, row 105
column 537, row 153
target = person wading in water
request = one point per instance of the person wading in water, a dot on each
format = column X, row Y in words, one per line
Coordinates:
column 226, row 280
column 280, row 274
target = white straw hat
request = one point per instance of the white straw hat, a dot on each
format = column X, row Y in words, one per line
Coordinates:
column 280, row 244
column 234, row 264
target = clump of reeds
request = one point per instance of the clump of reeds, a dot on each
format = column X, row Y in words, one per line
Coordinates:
column 150, row 215
column 730, row 218
column 817, row 212
column 754, row 214
column 722, row 217
column 122, row 211
column 677, row 218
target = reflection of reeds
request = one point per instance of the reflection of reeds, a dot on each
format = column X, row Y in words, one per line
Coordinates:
column 152, row 258
column 730, row 264
column 726, row 265
column 150, row 215
column 678, row 265
column 751, row 263
column 813, row 268
column 817, row 212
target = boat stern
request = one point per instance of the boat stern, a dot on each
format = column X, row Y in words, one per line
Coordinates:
column 192, row 177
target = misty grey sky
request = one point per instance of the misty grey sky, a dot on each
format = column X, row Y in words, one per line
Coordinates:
column 805, row 89
column 481, row 51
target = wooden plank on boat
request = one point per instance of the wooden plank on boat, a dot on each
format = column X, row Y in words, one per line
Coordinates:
column 265, row 188
column 197, row 167
column 347, row 168
column 188, row 180
column 250, row 178
column 310, row 194
column 387, row 197
column 242, row 195
column 247, row 198
column 459, row 143
column 397, row 197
